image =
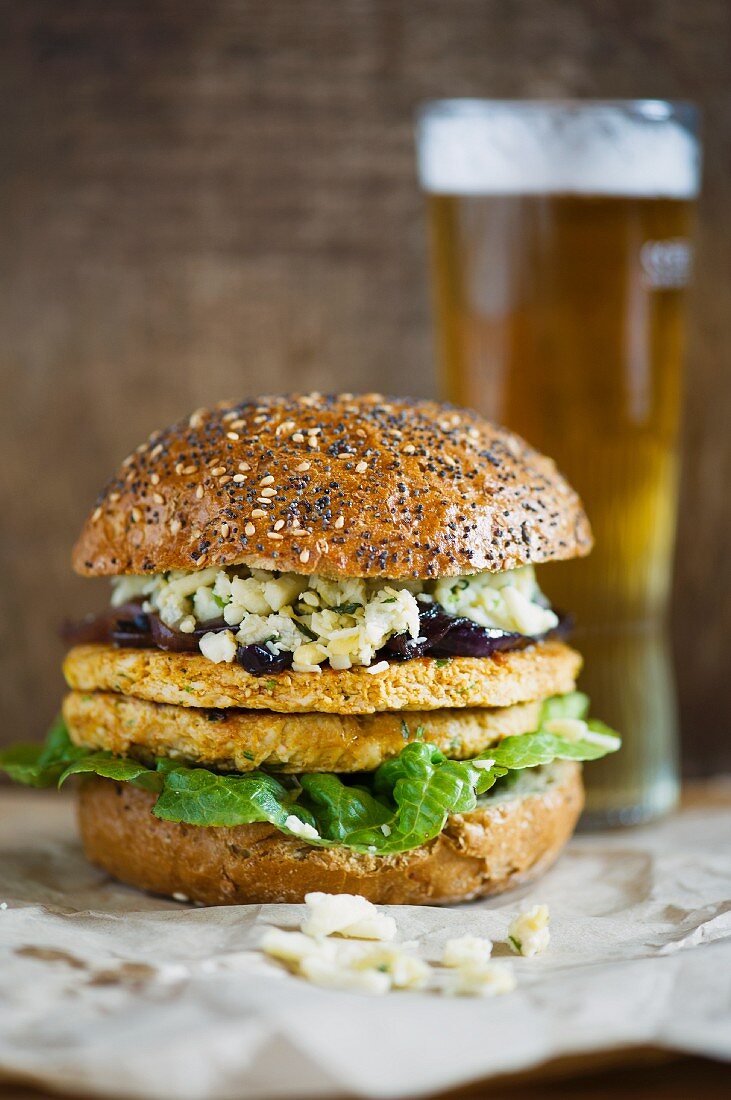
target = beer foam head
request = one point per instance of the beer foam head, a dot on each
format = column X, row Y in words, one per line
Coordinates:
column 483, row 147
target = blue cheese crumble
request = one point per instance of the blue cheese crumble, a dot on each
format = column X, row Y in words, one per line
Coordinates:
column 324, row 621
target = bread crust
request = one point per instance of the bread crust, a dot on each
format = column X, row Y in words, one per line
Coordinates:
column 496, row 847
column 384, row 487
column 191, row 680
column 242, row 740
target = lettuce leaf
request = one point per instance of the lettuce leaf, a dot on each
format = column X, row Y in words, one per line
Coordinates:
column 41, row 765
column 402, row 805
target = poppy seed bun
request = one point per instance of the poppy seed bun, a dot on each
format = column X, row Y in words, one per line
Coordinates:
column 499, row 845
column 342, row 486
column 423, row 683
column 241, row 740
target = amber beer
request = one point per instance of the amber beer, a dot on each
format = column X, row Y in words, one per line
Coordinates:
column 561, row 258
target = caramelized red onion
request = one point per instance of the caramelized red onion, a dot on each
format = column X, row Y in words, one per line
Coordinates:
column 440, row 635
column 124, row 625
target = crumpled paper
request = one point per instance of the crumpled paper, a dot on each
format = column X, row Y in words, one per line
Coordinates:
column 110, row 991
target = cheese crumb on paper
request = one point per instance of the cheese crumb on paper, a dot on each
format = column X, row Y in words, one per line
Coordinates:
column 529, row 933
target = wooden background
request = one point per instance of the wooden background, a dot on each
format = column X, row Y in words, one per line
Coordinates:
column 204, row 199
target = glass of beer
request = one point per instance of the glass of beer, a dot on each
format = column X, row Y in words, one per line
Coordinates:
column 561, row 256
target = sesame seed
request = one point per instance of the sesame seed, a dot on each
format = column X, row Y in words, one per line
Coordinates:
column 298, row 437
column 258, row 513
column 361, row 467
column 409, row 449
column 295, row 522
column 195, row 533
column 158, row 498
column 360, row 432
column 178, row 467
column 244, row 466
column 340, row 521
column 235, row 425
column 314, row 431
column 114, row 497
column 269, row 492
column 224, row 480
column 189, row 469
column 232, row 435
column 156, row 450
column 175, row 526
column 238, row 478
column 136, row 515
column 97, row 514
column 225, row 530
column 303, row 466
column 260, row 419
column 312, row 442
column 305, row 557
column 249, row 529
column 279, row 525
column 154, row 478
column 217, row 470
column 264, row 500
column 196, row 418
column 199, row 493
column 128, row 460
column 273, row 535
column 268, row 480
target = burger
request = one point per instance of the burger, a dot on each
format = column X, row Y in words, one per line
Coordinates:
column 327, row 664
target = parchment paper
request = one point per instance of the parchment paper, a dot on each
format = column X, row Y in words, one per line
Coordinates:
column 110, row 991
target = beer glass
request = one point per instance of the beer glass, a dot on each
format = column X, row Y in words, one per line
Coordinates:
column 561, row 254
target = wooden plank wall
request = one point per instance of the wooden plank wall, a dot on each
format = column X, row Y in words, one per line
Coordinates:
column 212, row 198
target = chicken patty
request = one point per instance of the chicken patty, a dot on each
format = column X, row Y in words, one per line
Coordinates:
column 424, row 683
column 242, row 740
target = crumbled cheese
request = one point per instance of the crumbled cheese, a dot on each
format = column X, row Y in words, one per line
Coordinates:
column 490, row 979
column 482, row 765
column 342, row 621
column 380, row 666
column 330, row 974
column 346, row 964
column 576, row 729
column 507, row 601
column 205, row 606
column 346, row 915
column 467, row 951
column 218, row 647
column 406, row 971
column 572, row 729
column 290, row 947
column 301, row 828
column 3, row 905
column 529, row 934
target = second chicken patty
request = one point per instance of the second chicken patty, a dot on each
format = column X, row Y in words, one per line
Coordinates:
column 242, row 740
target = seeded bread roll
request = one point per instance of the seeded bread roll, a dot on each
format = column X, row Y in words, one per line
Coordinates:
column 341, row 485
column 503, row 843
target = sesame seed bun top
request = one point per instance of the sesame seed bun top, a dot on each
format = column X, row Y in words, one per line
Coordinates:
column 338, row 485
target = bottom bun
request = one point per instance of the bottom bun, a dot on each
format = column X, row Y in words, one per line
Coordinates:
column 505, row 842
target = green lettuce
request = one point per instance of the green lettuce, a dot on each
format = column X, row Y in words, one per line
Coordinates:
column 403, row 804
